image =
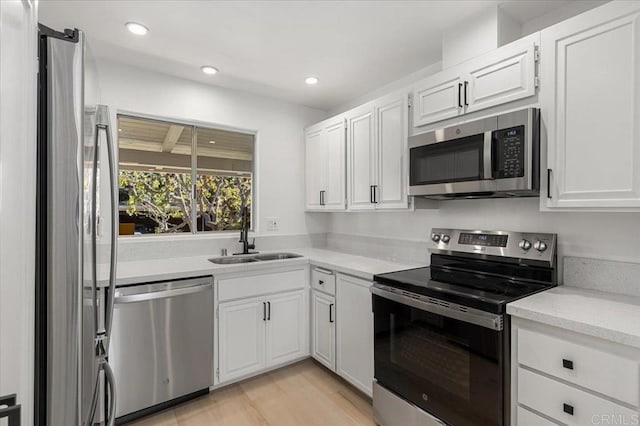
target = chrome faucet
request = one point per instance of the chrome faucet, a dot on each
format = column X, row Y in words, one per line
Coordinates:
column 244, row 233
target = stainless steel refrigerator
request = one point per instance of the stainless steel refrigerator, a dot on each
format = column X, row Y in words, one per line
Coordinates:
column 74, row 383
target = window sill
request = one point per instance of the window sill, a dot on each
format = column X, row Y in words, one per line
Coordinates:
column 131, row 239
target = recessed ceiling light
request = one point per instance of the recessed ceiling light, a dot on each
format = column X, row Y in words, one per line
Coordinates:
column 212, row 141
column 311, row 80
column 208, row 69
column 137, row 29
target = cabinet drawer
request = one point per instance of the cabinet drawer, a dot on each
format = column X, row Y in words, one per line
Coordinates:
column 256, row 285
column 554, row 399
column 527, row 418
column 323, row 280
column 604, row 372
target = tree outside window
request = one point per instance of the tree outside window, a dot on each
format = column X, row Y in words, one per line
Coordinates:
column 160, row 191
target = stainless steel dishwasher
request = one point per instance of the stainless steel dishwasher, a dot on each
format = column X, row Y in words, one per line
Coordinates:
column 161, row 350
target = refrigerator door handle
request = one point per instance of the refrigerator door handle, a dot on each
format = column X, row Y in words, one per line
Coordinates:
column 103, row 123
column 94, row 399
column 111, row 384
column 94, row 230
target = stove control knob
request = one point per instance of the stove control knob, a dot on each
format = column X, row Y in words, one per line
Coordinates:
column 435, row 238
column 540, row 246
column 445, row 238
column 525, row 244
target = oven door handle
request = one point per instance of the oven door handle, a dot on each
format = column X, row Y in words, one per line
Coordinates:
column 487, row 155
column 440, row 307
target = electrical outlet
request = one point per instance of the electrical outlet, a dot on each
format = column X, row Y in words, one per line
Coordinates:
column 273, row 224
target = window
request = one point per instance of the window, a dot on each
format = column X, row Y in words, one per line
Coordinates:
column 177, row 177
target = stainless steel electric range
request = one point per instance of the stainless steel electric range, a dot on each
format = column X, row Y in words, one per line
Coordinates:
column 442, row 339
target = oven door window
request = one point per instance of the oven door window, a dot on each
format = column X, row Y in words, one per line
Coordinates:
column 447, row 367
column 457, row 160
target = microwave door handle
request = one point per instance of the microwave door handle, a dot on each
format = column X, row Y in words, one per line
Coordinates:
column 486, row 155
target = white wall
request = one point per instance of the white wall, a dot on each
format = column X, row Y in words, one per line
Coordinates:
column 18, row 69
column 279, row 126
column 477, row 35
column 402, row 83
column 560, row 14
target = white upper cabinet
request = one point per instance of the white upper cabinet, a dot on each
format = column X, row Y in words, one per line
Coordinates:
column 437, row 98
column 501, row 76
column 376, row 154
column 392, row 126
column 314, row 173
column 361, row 158
column 325, row 173
column 504, row 75
column 590, row 102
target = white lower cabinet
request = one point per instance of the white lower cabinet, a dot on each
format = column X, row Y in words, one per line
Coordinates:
column 286, row 327
column 242, row 334
column 262, row 322
column 342, row 330
column 323, row 334
column 354, row 335
column 527, row 418
column 564, row 377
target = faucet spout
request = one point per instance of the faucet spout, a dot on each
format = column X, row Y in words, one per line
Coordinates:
column 244, row 233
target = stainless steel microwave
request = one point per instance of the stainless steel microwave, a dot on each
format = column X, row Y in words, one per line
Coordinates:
column 497, row 156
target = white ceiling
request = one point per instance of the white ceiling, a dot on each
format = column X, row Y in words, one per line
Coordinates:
column 269, row 47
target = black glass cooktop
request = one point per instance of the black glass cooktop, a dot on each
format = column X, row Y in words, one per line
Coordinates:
column 482, row 288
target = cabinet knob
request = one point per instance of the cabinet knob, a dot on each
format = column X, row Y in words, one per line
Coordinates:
column 568, row 364
column 567, row 409
column 320, row 282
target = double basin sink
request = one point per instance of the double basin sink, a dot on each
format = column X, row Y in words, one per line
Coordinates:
column 231, row 260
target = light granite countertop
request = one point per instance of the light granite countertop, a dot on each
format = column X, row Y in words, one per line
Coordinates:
column 608, row 316
column 132, row 272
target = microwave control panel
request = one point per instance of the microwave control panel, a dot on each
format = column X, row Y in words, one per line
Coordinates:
column 508, row 152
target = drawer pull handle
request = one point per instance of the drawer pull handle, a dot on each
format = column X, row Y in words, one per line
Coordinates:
column 567, row 409
column 320, row 282
column 568, row 364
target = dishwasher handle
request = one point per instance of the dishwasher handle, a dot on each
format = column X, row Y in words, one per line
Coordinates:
column 146, row 296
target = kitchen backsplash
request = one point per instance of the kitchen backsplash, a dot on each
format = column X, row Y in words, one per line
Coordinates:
column 391, row 249
column 131, row 249
column 603, row 275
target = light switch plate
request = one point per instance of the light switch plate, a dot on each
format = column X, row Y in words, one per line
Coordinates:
column 273, row 224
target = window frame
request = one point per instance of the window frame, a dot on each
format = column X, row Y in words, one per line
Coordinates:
column 194, row 124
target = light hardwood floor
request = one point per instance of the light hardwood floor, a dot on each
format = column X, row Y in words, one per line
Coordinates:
column 301, row 394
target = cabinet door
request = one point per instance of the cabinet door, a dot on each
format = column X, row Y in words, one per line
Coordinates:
column 323, row 343
column 591, row 98
column 241, row 346
column 391, row 149
column 504, row 75
column 334, row 139
column 354, row 332
column 360, row 140
column 287, row 324
column 437, row 98
column 314, row 168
